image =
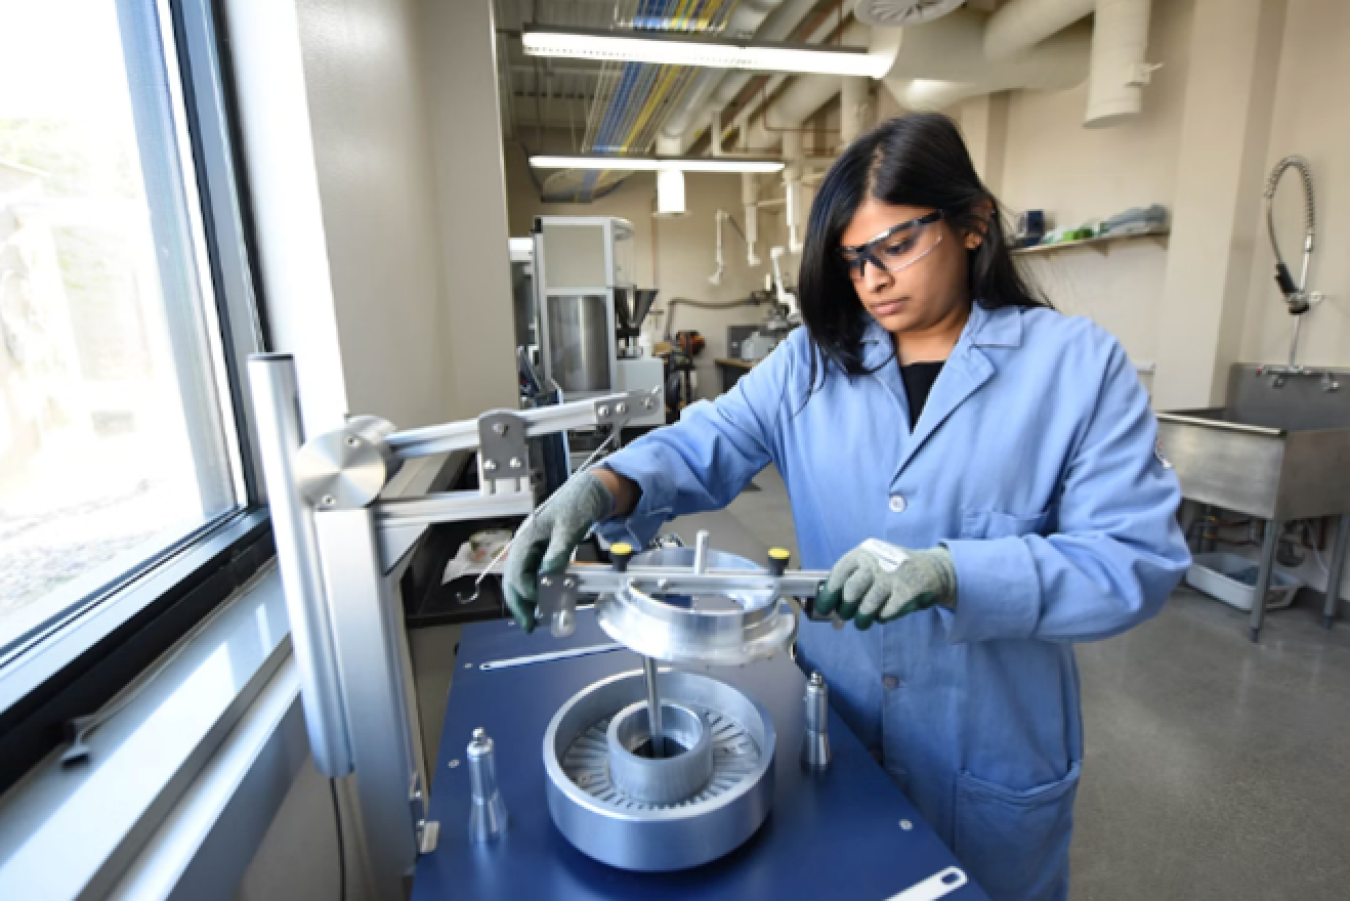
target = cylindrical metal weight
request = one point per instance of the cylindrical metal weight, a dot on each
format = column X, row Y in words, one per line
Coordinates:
column 679, row 773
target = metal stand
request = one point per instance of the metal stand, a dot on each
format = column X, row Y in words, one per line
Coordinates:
column 340, row 548
column 1337, row 569
column 1273, row 529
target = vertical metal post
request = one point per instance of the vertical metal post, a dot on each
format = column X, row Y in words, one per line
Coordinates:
column 816, row 739
column 1273, row 529
column 1337, row 569
column 367, row 636
column 654, row 709
column 277, row 408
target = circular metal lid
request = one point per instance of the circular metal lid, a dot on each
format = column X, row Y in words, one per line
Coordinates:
column 716, row 630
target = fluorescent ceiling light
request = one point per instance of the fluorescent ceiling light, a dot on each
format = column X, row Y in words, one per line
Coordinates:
column 716, row 53
column 655, row 164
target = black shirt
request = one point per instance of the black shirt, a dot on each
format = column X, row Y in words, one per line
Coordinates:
column 919, row 379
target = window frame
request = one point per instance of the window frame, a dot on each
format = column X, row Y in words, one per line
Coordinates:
column 75, row 662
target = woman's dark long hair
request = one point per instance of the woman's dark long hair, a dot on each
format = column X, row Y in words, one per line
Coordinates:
column 917, row 160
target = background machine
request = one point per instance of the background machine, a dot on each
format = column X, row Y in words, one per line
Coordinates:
column 590, row 311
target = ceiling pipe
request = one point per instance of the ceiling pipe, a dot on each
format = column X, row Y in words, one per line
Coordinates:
column 1119, row 44
column 714, row 89
column 1019, row 25
column 750, row 203
column 855, row 109
column 1119, row 69
column 943, row 61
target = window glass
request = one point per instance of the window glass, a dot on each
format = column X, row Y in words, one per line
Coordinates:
column 116, row 437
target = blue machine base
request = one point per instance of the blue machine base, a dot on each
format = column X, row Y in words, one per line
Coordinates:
column 835, row 834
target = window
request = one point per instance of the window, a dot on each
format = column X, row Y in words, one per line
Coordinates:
column 126, row 312
column 117, row 437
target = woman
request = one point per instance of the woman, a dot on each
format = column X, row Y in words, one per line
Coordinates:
column 980, row 472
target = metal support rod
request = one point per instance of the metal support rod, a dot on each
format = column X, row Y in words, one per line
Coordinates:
column 368, row 637
column 654, row 708
column 614, row 410
column 277, row 407
column 1293, row 343
column 1273, row 529
column 701, row 552
column 1336, row 571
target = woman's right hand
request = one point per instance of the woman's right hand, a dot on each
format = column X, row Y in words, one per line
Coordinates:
column 545, row 542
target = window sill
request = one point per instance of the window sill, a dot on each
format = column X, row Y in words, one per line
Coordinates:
column 182, row 784
column 76, row 831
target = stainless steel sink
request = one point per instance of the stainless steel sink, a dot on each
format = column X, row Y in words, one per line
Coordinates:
column 1279, row 449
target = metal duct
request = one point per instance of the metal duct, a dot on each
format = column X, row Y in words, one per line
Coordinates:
column 943, row 61
column 1019, row 25
column 1119, row 42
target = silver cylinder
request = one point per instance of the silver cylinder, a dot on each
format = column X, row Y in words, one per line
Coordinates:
column 487, row 818
column 701, row 542
column 579, row 339
column 277, row 406
column 680, row 775
column 816, row 739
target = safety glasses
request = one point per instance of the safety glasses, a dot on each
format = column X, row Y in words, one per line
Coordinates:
column 897, row 247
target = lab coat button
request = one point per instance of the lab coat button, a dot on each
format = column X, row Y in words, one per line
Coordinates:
column 890, row 682
column 898, row 503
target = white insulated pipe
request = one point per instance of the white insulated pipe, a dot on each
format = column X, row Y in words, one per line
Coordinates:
column 750, row 202
column 794, row 155
column 767, row 20
column 1119, row 43
column 854, row 109
column 801, row 98
column 1019, row 25
column 943, row 61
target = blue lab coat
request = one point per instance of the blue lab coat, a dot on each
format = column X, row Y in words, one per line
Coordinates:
column 1034, row 462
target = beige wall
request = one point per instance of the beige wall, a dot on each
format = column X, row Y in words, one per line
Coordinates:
column 1053, row 163
column 684, row 247
column 1311, row 117
column 378, row 198
column 373, row 160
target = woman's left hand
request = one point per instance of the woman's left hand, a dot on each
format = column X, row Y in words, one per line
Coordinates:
column 881, row 582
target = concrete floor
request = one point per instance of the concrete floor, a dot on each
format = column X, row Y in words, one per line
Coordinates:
column 1215, row 769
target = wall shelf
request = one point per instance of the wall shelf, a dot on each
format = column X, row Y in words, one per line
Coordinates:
column 1101, row 245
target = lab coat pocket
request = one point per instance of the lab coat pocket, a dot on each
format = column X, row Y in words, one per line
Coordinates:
column 983, row 524
column 1016, row 842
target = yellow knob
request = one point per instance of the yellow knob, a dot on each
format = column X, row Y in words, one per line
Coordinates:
column 780, row 553
column 621, row 548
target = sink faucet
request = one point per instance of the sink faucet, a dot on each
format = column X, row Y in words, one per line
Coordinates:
column 1278, row 375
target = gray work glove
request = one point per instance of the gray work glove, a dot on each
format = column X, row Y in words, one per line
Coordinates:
column 545, row 542
column 881, row 582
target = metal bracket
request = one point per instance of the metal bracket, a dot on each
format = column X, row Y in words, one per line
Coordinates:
column 617, row 411
column 502, row 450
column 558, row 603
column 428, row 831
